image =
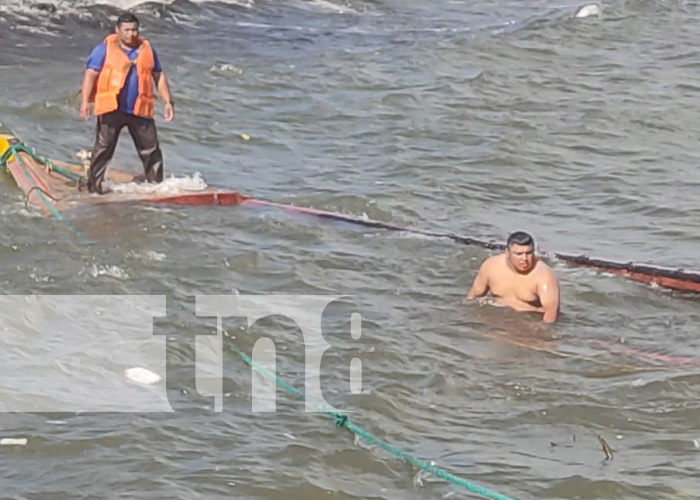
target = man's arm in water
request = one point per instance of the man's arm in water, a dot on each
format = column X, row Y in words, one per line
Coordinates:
column 549, row 297
column 480, row 287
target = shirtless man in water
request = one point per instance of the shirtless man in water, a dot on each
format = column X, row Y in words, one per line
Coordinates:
column 517, row 279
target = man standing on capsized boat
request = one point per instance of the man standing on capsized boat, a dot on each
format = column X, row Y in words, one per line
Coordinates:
column 519, row 280
column 119, row 78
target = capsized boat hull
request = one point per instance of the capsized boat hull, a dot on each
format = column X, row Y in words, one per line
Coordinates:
column 50, row 185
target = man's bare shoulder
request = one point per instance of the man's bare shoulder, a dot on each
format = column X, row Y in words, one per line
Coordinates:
column 492, row 262
column 544, row 272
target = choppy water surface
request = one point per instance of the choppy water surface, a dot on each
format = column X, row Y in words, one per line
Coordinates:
column 471, row 117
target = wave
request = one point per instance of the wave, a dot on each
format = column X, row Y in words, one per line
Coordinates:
column 76, row 7
column 63, row 17
column 445, row 18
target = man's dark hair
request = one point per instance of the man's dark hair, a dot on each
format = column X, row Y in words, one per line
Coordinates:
column 520, row 238
column 127, row 17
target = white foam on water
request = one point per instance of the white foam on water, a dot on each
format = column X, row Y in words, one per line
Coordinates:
column 36, row 30
column 226, row 69
column 19, row 208
column 112, row 271
column 65, row 5
column 155, row 256
column 171, row 185
column 39, row 279
column 37, row 11
column 332, row 7
column 148, row 255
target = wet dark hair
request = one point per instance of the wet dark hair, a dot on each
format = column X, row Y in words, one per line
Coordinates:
column 127, row 17
column 520, row 238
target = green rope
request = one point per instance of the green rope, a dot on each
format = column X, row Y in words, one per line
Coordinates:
column 342, row 420
column 19, row 147
column 66, row 173
column 15, row 149
column 6, row 155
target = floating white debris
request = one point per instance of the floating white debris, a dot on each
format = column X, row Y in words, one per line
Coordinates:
column 696, row 443
column 588, row 11
column 418, row 480
column 13, row 442
column 142, row 376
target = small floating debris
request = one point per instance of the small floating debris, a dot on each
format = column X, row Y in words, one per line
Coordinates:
column 606, row 448
column 418, row 479
column 142, row 376
column 13, row 442
column 588, row 11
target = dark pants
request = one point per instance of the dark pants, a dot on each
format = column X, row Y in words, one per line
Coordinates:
column 143, row 132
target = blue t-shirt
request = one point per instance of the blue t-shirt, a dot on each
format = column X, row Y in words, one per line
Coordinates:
column 130, row 91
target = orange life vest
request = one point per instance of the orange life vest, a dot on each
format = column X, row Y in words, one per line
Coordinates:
column 113, row 77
